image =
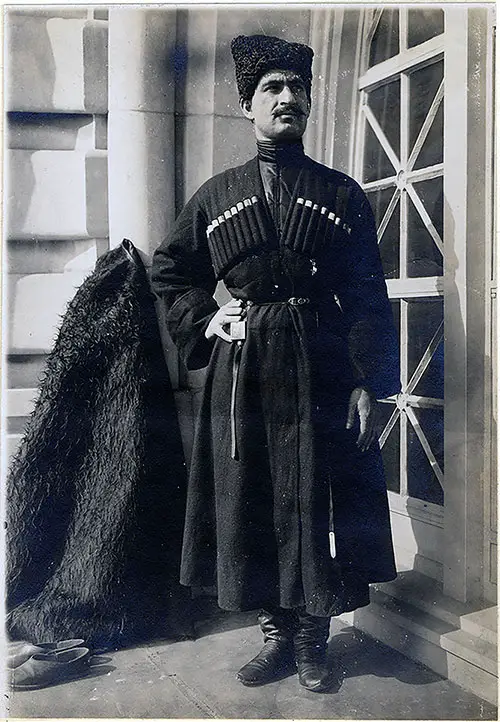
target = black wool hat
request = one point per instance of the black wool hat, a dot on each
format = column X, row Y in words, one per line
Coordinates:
column 255, row 55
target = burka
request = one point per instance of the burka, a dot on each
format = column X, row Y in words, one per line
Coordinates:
column 96, row 491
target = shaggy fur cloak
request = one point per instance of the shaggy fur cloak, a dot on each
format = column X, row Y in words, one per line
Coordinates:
column 96, row 492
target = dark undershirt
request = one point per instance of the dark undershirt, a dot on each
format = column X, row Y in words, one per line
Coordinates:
column 279, row 165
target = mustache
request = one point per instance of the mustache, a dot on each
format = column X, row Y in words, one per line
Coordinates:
column 289, row 110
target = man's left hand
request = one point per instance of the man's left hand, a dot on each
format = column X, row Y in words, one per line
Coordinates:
column 365, row 405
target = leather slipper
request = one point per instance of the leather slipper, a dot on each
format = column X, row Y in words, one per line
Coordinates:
column 43, row 670
column 22, row 651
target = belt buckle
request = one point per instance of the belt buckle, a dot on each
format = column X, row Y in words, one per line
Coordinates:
column 297, row 301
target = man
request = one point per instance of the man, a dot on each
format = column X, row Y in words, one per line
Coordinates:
column 296, row 359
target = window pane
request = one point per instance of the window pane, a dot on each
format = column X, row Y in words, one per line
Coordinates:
column 424, row 25
column 376, row 164
column 390, row 450
column 385, row 41
column 389, row 244
column 424, row 317
column 424, row 257
column 431, row 152
column 379, row 201
column 424, row 84
column 422, row 481
column 385, row 103
column 396, row 314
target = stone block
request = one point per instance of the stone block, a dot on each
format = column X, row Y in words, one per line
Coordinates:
column 11, row 447
column 36, row 304
column 49, row 131
column 475, row 680
column 141, row 204
column 197, row 41
column 482, row 624
column 101, row 132
column 24, row 371
column 196, row 164
column 56, row 64
column 473, row 649
column 24, row 257
column 142, row 45
column 20, row 402
column 96, row 194
column 56, row 194
column 234, row 142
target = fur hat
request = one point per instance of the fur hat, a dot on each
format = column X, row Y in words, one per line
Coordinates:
column 255, row 55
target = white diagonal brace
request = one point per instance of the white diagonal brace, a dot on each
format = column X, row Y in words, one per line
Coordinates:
column 425, row 402
column 426, row 126
column 389, row 427
column 381, row 137
column 425, row 445
column 426, row 359
column 387, row 215
column 426, row 219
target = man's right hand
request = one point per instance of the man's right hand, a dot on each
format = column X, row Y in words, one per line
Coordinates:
column 234, row 310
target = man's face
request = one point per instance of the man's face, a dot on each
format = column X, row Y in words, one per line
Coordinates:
column 279, row 108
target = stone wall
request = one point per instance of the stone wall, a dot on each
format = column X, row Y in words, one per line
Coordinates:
column 56, row 210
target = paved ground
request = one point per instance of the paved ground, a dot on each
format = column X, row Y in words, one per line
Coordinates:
column 196, row 679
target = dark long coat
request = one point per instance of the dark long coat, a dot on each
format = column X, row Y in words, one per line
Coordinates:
column 271, row 446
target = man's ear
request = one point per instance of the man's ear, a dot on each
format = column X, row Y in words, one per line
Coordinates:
column 246, row 108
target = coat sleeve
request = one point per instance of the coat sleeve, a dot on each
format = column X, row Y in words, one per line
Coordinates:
column 362, row 294
column 184, row 279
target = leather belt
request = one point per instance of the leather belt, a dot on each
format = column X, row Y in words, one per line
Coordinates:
column 293, row 301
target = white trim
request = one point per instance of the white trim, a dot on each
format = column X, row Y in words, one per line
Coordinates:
column 491, row 340
column 403, row 29
column 356, row 139
column 416, row 509
column 403, row 431
column 431, row 286
column 408, row 60
column 412, row 176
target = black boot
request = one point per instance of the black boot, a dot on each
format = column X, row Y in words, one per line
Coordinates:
column 276, row 658
column 310, row 652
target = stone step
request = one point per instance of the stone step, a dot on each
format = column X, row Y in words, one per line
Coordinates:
column 482, row 624
column 426, row 594
column 472, row 649
column 412, row 618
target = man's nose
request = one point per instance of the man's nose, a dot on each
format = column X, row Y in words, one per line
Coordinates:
column 286, row 95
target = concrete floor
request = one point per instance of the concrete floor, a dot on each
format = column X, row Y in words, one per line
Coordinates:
column 196, row 679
